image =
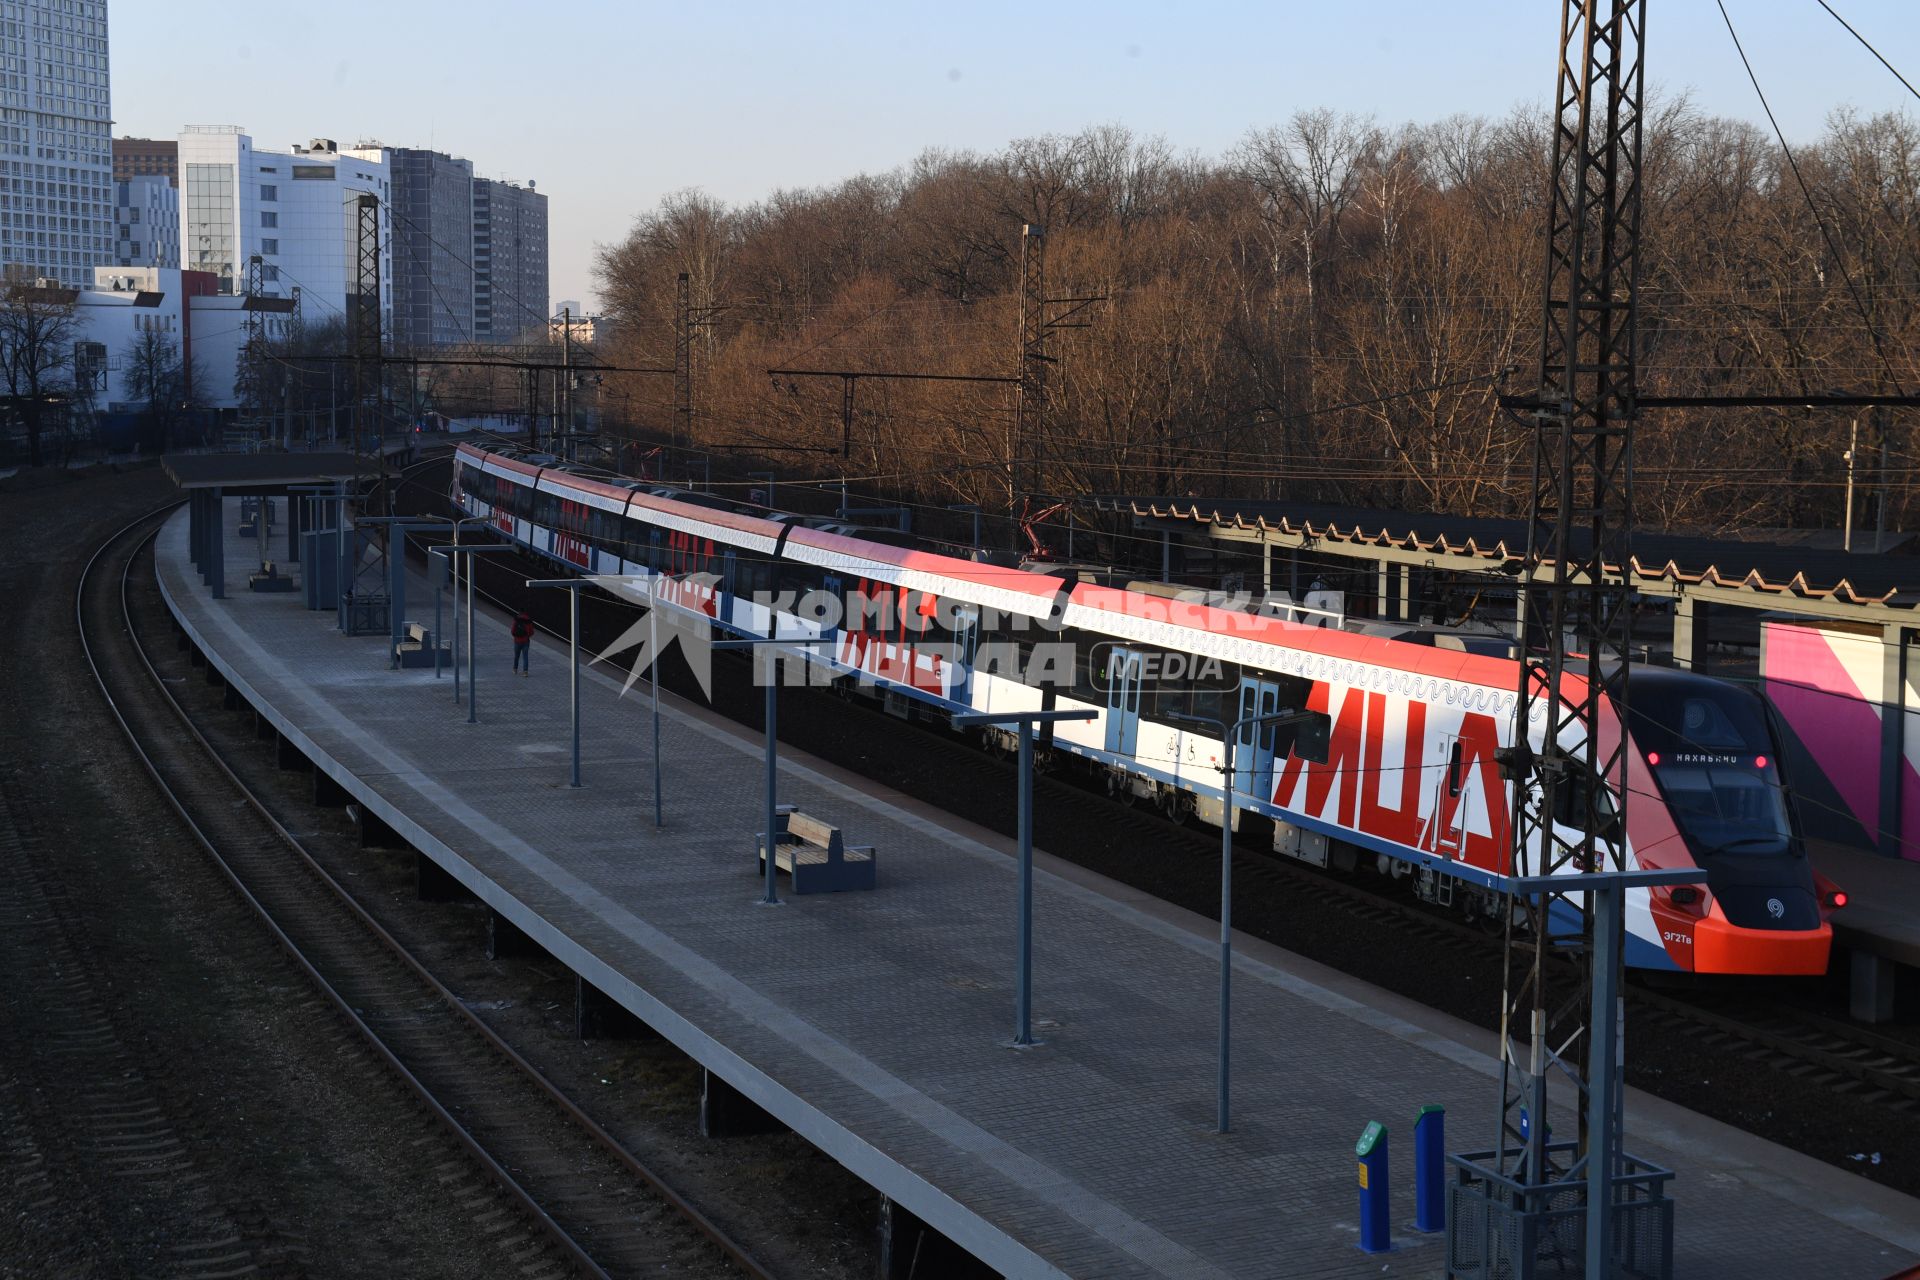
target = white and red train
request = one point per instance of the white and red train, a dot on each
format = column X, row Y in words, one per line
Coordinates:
column 1408, row 778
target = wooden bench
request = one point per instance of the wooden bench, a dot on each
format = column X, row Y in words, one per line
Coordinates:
column 814, row 855
column 417, row 649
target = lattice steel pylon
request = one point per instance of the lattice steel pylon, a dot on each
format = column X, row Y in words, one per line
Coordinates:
column 363, row 330
column 249, row 380
column 1569, row 784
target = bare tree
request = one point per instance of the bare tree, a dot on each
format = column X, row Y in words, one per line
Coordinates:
column 1307, row 174
column 157, row 377
column 36, row 353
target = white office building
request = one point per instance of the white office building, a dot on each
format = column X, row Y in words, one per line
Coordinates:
column 297, row 209
column 56, row 140
column 146, row 223
column 111, row 315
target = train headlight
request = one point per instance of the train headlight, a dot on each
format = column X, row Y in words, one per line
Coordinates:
column 1836, row 899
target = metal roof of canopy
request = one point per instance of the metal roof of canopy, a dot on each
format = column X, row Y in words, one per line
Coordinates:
column 236, row 472
column 1859, row 586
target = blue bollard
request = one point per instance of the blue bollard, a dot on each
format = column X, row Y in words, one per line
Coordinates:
column 1429, row 1169
column 1376, row 1235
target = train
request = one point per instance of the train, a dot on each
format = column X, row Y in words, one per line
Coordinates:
column 1396, row 763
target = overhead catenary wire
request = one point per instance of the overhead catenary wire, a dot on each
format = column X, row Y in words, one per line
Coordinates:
column 1868, row 45
column 1839, row 259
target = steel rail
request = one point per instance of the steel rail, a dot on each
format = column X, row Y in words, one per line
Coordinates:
column 528, row 1203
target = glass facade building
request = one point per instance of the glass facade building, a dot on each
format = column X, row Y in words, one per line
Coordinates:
column 210, row 220
column 56, row 140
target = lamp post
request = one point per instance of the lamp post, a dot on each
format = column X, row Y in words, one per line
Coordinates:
column 1230, row 734
column 573, row 587
column 473, row 712
column 653, row 683
column 458, row 525
column 773, row 645
column 1024, row 721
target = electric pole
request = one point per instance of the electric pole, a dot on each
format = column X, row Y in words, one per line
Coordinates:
column 363, row 333
column 253, row 353
column 683, row 362
column 1030, row 388
column 1561, row 1006
column 566, row 370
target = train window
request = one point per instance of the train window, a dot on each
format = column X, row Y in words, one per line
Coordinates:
column 1701, row 717
column 1570, row 806
column 1208, row 704
column 636, row 540
column 1453, row 768
column 800, row 578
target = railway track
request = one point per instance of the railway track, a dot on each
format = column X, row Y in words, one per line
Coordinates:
column 1824, row 1053
column 116, row 1101
column 551, row 1189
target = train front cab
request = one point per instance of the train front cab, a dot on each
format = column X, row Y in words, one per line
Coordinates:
column 1706, row 749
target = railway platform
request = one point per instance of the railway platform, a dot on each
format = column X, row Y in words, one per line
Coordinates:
column 877, row 1024
column 1879, row 927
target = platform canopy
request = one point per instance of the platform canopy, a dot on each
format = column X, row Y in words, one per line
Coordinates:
column 263, row 472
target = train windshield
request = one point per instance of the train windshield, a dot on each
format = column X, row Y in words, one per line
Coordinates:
column 1710, row 749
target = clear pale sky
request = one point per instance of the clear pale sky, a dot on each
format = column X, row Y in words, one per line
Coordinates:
column 609, row 106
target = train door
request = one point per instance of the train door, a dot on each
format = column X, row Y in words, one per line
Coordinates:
column 1124, row 669
column 1447, row 821
column 830, row 627
column 1253, row 744
column 726, row 587
column 966, row 644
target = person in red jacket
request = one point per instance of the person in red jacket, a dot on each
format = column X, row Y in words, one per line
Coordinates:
column 522, row 641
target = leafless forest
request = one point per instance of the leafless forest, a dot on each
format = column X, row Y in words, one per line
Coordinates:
column 1323, row 314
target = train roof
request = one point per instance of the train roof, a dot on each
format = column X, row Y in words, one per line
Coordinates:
column 1039, row 594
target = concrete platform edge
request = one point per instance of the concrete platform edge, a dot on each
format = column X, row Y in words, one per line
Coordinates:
column 932, row 1206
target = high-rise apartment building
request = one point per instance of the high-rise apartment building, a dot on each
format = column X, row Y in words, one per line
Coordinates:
column 56, row 126
column 509, row 260
column 146, row 158
column 433, row 282
column 295, row 209
column 146, row 215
